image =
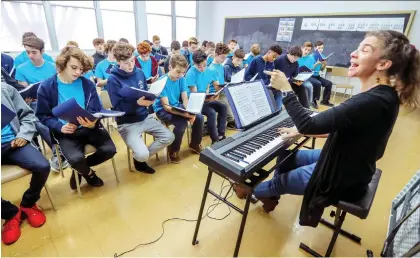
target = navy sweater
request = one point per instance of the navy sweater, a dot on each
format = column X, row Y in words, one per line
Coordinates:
column 7, row 62
column 258, row 65
column 288, row 68
column 119, row 78
column 48, row 99
column 230, row 69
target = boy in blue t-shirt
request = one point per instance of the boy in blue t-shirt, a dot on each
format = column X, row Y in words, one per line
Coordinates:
column 103, row 68
column 254, row 51
column 198, row 79
column 210, row 52
column 23, row 56
column 176, row 89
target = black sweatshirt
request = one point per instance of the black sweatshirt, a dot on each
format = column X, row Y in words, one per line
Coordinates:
column 358, row 130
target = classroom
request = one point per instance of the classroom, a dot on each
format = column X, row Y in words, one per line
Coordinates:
column 210, row 128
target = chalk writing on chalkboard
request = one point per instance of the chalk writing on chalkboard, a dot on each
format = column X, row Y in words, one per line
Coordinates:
column 285, row 30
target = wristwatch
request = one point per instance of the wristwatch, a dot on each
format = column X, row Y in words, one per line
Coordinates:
column 286, row 93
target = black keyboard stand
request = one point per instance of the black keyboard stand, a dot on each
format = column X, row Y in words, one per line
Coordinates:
column 254, row 181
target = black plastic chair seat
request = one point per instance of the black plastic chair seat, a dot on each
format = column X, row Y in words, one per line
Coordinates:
column 362, row 207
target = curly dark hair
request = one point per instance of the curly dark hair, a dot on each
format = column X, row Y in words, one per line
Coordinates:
column 75, row 52
column 221, row 49
column 199, row 56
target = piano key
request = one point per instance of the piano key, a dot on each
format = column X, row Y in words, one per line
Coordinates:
column 246, row 150
column 227, row 155
column 253, row 145
column 243, row 151
column 237, row 153
column 266, row 149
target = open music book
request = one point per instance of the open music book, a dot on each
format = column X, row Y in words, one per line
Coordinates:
column 195, row 104
column 7, row 116
column 303, row 76
column 158, row 57
column 70, row 110
column 250, row 101
column 319, row 57
column 135, row 93
column 209, row 95
column 30, row 91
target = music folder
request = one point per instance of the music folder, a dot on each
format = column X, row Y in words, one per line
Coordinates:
column 30, row 91
column 304, row 69
column 250, row 102
column 135, row 93
column 195, row 104
column 319, row 57
column 70, row 110
column 209, row 95
column 303, row 76
column 7, row 116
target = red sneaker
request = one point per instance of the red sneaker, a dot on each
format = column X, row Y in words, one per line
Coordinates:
column 11, row 230
column 35, row 216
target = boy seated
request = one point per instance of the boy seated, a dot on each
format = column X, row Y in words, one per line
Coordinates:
column 287, row 63
column 231, row 67
column 175, row 49
column 210, row 52
column 254, row 51
column 69, row 83
column 16, row 149
column 176, row 89
column 146, row 62
column 192, row 47
column 136, row 119
column 23, row 56
column 265, row 63
column 198, row 80
column 100, row 54
column 232, row 47
column 158, row 49
column 103, row 68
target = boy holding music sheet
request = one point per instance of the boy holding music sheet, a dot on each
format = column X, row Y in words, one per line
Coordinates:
column 69, row 84
column 136, row 120
column 176, row 89
column 103, row 68
column 147, row 63
column 198, row 79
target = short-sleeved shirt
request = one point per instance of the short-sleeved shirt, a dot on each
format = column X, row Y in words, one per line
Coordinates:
column 198, row 79
column 7, row 134
column 67, row 91
column 23, row 58
column 28, row 72
column 146, row 67
column 218, row 74
column 172, row 91
column 309, row 62
column 103, row 69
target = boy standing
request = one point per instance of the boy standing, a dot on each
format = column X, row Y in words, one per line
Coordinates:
column 100, row 54
column 232, row 47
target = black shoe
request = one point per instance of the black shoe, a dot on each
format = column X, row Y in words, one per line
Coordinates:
column 327, row 103
column 73, row 184
column 93, row 180
column 231, row 125
column 315, row 105
column 143, row 167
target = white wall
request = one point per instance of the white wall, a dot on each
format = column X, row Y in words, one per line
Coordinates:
column 211, row 24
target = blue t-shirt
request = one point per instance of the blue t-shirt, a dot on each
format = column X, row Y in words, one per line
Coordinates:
column 146, row 66
column 191, row 59
column 218, row 74
column 103, row 69
column 28, row 72
column 198, row 79
column 309, row 62
column 209, row 60
column 248, row 60
column 23, row 58
column 67, row 91
column 172, row 91
column 7, row 134
column 136, row 53
column 89, row 74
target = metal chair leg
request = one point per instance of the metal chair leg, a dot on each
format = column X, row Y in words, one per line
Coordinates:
column 188, row 134
column 60, row 163
column 115, row 170
column 49, row 197
column 77, row 183
column 129, row 159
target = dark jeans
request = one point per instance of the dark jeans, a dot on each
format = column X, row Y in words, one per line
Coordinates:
column 181, row 124
column 8, row 210
column 73, row 148
column 31, row 159
column 215, row 110
column 317, row 82
column 300, row 91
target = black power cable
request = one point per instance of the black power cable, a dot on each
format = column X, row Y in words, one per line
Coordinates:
column 212, row 207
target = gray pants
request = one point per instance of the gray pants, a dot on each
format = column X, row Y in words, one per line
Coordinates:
column 132, row 135
column 223, row 99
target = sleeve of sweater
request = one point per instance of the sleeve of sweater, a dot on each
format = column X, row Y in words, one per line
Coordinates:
column 26, row 116
column 44, row 111
column 356, row 112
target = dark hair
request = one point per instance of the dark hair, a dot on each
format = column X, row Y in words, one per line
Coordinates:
column 210, row 44
column 178, row 60
column 36, row 43
column 123, row 51
column 27, row 35
column 98, row 41
column 199, row 56
column 123, row 40
column 185, row 43
column 276, row 48
column 175, row 45
column 308, row 44
column 319, row 43
column 405, row 66
column 204, row 44
column 109, row 45
column 295, row 51
column 239, row 53
column 234, row 41
column 221, row 49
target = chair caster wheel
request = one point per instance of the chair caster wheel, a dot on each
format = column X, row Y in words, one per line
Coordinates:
column 196, row 242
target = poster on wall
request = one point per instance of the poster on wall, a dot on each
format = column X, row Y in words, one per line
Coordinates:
column 285, row 30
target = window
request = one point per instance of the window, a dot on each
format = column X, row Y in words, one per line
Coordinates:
column 158, row 7
column 185, row 28
column 119, row 25
column 18, row 18
column 117, row 5
column 82, row 30
column 186, row 8
column 73, row 3
column 162, row 26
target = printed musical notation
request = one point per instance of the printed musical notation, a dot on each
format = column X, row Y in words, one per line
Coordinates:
column 285, row 30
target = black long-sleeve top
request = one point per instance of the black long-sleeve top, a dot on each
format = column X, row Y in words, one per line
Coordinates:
column 358, row 130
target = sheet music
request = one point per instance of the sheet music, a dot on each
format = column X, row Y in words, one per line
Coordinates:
column 195, row 102
column 309, row 24
column 238, row 77
column 157, row 87
column 303, row 76
column 251, row 102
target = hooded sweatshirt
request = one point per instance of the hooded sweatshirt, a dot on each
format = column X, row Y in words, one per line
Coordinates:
column 230, row 69
column 119, row 78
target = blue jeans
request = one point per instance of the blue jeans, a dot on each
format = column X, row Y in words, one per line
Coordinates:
column 309, row 89
column 291, row 177
column 215, row 110
column 278, row 98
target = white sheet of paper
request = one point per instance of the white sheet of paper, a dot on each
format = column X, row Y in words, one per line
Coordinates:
column 303, row 76
column 238, row 77
column 157, row 87
column 247, row 55
column 195, row 102
column 253, row 78
column 309, row 24
column 251, row 102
